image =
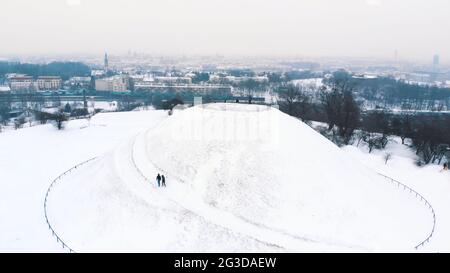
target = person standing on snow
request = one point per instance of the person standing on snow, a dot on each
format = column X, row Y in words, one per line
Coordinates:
column 163, row 181
column 158, row 179
column 445, row 168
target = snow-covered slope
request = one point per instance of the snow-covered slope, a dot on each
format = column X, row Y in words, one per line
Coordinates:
column 240, row 178
column 31, row 158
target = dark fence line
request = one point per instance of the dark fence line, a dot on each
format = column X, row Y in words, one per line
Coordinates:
column 422, row 199
column 56, row 180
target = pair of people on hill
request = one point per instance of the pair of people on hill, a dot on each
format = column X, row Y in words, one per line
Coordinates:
column 161, row 180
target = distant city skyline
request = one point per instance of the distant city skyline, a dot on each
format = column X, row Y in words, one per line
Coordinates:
column 414, row 29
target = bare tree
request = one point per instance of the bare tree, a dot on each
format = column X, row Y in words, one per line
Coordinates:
column 4, row 114
column 58, row 118
column 341, row 108
column 249, row 87
column 18, row 123
column 361, row 136
column 387, row 157
column 42, row 117
column 289, row 95
column 295, row 101
column 378, row 122
column 304, row 106
column 431, row 138
column 406, row 128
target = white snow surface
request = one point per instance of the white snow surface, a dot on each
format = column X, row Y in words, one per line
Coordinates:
column 239, row 178
column 430, row 181
column 31, row 158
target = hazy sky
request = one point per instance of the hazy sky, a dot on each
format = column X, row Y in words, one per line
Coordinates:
column 416, row 28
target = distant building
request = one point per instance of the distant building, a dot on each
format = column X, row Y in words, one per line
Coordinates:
column 215, row 78
column 173, row 80
column 190, row 75
column 21, row 83
column 49, row 83
column 5, row 88
column 14, row 75
column 436, row 63
column 260, row 79
column 436, row 60
column 138, row 78
column 196, row 88
column 98, row 73
column 79, row 82
column 120, row 83
column 106, row 63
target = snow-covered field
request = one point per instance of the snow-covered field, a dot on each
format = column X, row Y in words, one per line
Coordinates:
column 239, row 178
column 31, row 158
column 430, row 181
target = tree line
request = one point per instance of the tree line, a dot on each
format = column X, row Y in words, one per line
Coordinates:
column 65, row 70
column 347, row 123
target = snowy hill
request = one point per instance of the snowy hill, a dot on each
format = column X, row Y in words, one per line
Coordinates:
column 240, row 178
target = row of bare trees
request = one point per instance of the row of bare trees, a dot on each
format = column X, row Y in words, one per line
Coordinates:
column 337, row 103
column 431, row 139
column 341, row 108
column 295, row 101
column 58, row 118
column 347, row 123
column 429, row 135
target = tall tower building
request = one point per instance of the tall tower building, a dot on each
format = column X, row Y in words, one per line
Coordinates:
column 106, row 63
column 435, row 63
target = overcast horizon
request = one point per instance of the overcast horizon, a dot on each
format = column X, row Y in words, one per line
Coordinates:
column 417, row 29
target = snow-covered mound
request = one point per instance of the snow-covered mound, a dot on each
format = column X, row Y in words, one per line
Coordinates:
column 268, row 168
column 239, row 178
